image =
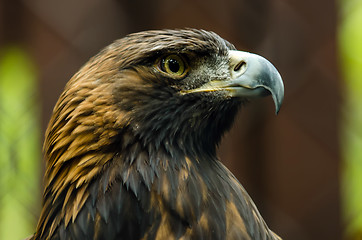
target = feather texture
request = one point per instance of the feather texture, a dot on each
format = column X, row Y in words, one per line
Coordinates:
column 129, row 157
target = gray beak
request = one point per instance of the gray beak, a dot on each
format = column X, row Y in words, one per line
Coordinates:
column 254, row 76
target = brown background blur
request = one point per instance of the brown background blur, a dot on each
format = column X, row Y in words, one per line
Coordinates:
column 288, row 163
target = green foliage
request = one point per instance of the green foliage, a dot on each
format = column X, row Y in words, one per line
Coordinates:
column 19, row 145
column 350, row 46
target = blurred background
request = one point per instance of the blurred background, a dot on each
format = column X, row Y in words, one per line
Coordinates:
column 303, row 168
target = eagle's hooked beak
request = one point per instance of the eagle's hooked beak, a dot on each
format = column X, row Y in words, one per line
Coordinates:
column 253, row 76
column 250, row 76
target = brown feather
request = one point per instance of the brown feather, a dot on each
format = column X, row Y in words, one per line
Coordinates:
column 128, row 157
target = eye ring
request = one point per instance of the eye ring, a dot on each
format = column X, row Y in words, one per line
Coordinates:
column 173, row 65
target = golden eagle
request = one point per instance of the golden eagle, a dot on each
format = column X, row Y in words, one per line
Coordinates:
column 131, row 146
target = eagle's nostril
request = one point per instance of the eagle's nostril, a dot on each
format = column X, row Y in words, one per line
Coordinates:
column 239, row 66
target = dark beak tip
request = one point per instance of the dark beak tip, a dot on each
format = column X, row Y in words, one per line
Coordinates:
column 278, row 103
column 277, row 110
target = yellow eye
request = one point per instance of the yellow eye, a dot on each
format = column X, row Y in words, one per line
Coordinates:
column 173, row 65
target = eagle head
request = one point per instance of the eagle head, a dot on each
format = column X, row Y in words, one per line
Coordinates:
column 145, row 112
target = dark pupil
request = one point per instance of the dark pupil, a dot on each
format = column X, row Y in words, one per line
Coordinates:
column 173, row 65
